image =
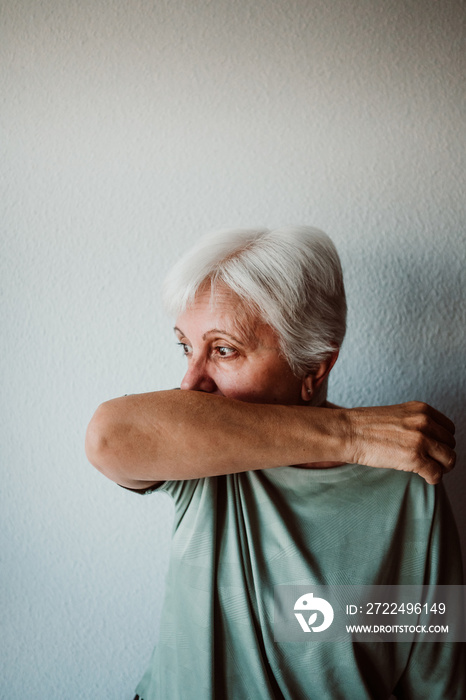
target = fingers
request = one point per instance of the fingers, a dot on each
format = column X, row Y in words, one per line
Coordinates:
column 431, row 459
column 431, row 422
column 436, row 432
column 441, row 419
column 431, row 472
column 444, row 456
column 436, row 442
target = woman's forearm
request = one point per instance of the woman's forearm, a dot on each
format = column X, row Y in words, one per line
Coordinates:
column 188, row 434
column 140, row 439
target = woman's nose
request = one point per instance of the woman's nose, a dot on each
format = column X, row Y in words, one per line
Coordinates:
column 197, row 378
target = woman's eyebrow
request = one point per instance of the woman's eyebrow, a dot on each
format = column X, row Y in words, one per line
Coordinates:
column 220, row 331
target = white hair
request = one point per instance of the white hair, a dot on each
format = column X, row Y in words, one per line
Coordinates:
column 290, row 277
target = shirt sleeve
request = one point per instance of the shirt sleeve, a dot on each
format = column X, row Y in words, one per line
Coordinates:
column 437, row 670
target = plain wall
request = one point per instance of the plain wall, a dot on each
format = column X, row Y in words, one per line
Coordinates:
column 128, row 130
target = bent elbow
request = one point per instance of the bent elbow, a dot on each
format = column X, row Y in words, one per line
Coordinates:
column 99, row 443
column 111, row 445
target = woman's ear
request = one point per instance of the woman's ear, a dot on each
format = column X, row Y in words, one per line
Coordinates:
column 313, row 381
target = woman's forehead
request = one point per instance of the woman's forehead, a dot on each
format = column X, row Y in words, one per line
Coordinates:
column 221, row 301
column 225, row 310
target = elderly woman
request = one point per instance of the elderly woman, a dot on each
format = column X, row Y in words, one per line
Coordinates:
column 260, row 317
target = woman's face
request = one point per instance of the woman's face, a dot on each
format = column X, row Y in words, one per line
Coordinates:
column 231, row 355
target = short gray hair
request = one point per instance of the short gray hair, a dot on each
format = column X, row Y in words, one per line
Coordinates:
column 290, row 277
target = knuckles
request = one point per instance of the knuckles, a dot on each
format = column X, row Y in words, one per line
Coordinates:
column 418, row 406
column 418, row 421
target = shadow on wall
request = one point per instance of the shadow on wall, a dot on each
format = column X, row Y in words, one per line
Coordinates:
column 413, row 301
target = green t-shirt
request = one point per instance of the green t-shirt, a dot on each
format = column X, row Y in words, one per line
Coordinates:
column 237, row 536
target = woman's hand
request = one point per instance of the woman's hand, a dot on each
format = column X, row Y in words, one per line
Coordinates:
column 411, row 437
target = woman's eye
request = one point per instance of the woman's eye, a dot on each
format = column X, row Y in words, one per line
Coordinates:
column 184, row 348
column 224, row 351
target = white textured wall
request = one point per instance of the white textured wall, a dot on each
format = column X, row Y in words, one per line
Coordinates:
column 127, row 130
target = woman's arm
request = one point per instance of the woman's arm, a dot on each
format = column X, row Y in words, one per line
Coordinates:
column 141, row 439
